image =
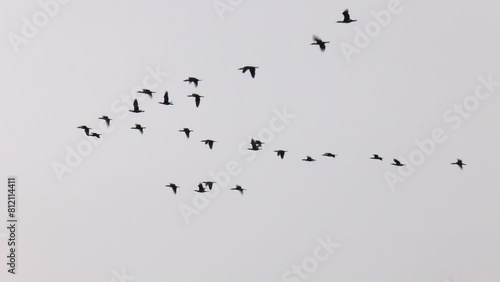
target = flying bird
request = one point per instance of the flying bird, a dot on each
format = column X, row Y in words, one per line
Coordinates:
column 200, row 189
column 139, row 127
column 147, row 92
column 94, row 134
column 280, row 153
column 197, row 98
column 329, row 155
column 166, row 101
column 308, row 159
column 376, row 157
column 209, row 142
column 106, row 119
column 238, row 188
column 193, row 80
column 186, row 131
column 249, row 68
column 320, row 43
column 347, row 17
column 173, row 186
column 136, row 108
column 86, row 129
column 397, row 163
column 256, row 145
column 459, row 163
column 210, row 184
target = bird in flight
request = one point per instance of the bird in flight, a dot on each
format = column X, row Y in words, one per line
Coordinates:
column 139, row 127
column 166, row 101
column 256, row 145
column 459, row 163
column 238, row 188
column 106, row 119
column 201, row 189
column 209, row 142
column 193, row 80
column 210, row 184
column 197, row 98
column 320, row 43
column 136, row 108
column 308, row 159
column 186, row 131
column 280, row 153
column 147, row 92
column 173, row 186
column 329, row 155
column 249, row 68
column 347, row 17
column 86, row 129
column 376, row 157
column 397, row 163
column 94, row 134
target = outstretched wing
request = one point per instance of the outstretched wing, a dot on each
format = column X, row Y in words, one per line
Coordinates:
column 347, row 17
column 136, row 106
column 252, row 72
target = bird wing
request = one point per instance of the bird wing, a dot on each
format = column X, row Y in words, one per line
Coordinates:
column 197, row 101
column 252, row 72
column 347, row 17
column 136, row 105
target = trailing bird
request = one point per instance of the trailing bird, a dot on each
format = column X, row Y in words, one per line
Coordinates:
column 255, row 145
column 376, row 157
column 209, row 142
column 106, row 119
column 397, row 163
column 249, row 68
column 347, row 17
column 94, row 134
column 309, row 159
column 197, row 98
column 200, row 189
column 193, row 80
column 238, row 188
column 136, row 108
column 320, row 43
column 86, row 129
column 173, row 186
column 329, row 155
column 210, row 184
column 166, row 101
column 280, row 153
column 139, row 127
column 186, row 131
column 147, row 92
column 459, row 163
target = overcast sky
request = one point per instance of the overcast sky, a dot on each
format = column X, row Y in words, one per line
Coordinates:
column 109, row 211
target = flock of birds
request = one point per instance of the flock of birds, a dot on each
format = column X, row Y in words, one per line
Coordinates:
column 255, row 145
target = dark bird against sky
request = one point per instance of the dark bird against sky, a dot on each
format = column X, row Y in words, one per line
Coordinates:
column 249, row 68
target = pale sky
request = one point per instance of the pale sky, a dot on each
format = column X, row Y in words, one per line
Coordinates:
column 112, row 211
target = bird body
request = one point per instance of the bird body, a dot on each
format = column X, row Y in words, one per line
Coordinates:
column 86, row 129
column 147, row 92
column 136, row 108
column 106, row 119
column 238, row 188
column 186, row 131
column 193, row 80
column 249, row 68
column 309, row 159
column 347, row 17
column 320, row 43
column 280, row 153
column 209, row 142
column 173, row 186
column 166, row 101
column 459, row 163
column 201, row 189
column 209, row 184
column 329, row 155
column 397, row 163
column 139, row 127
column 197, row 99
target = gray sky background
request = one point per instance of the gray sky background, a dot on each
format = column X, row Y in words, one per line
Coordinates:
column 113, row 211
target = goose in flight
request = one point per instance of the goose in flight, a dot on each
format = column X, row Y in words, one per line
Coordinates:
column 200, row 189
column 197, row 98
column 147, row 92
column 94, row 134
column 210, row 184
column 329, row 155
column 397, row 163
column 320, row 43
column 86, row 129
column 256, row 145
column 347, row 17
column 193, row 80
column 136, row 108
column 186, row 131
column 166, row 101
column 376, row 157
column 209, row 142
column 459, row 163
column 173, row 186
column 249, row 68
column 280, row 153
column 238, row 188
column 139, row 127
column 106, row 119
column 308, row 159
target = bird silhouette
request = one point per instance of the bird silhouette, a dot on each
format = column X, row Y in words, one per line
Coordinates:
column 166, row 101
column 201, row 189
column 347, row 17
column 86, row 129
column 94, row 134
column 329, row 155
column 238, row 188
column 106, row 119
column 147, row 92
column 209, row 142
column 139, row 127
column 459, row 163
column 397, row 163
column 197, row 98
column 280, row 153
column 173, row 186
column 308, row 159
column 193, row 80
column 249, row 68
column 376, row 157
column 136, row 108
column 320, row 43
column 186, row 131
column 256, row 145
column 210, row 184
